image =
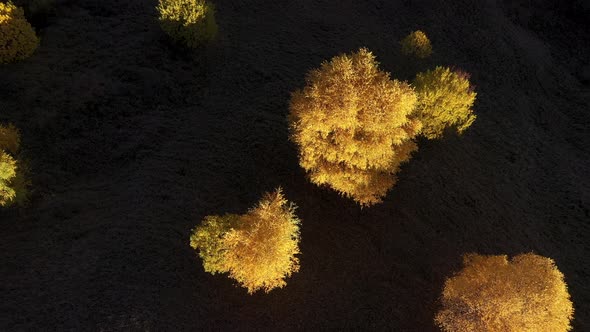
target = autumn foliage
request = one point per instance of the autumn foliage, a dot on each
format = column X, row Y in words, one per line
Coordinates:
column 17, row 37
column 7, row 174
column 9, row 146
column 417, row 44
column 258, row 249
column 494, row 294
column 189, row 22
column 445, row 100
column 352, row 125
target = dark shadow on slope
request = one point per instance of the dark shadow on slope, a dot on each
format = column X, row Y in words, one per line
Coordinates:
column 161, row 141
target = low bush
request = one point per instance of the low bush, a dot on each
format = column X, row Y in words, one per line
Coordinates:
column 416, row 44
column 258, row 249
column 188, row 22
column 17, row 37
column 493, row 294
column 7, row 174
column 352, row 127
column 445, row 100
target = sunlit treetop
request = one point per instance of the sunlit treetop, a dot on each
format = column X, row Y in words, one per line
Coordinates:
column 9, row 11
column 191, row 22
column 494, row 294
column 185, row 11
column 352, row 127
column 258, row 249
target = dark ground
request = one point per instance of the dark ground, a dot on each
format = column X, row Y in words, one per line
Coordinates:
column 132, row 142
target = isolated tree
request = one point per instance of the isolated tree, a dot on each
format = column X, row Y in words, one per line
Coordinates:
column 493, row 294
column 445, row 100
column 258, row 249
column 416, row 44
column 352, row 127
column 17, row 38
column 189, row 22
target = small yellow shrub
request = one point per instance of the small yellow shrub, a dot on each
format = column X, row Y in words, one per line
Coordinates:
column 7, row 174
column 17, row 38
column 352, row 127
column 13, row 173
column 492, row 294
column 416, row 43
column 445, row 99
column 190, row 22
column 257, row 249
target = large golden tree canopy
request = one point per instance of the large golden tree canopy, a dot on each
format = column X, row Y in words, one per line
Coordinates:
column 352, row 127
column 494, row 294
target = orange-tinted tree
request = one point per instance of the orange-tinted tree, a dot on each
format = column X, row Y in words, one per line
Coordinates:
column 258, row 249
column 352, row 127
column 494, row 294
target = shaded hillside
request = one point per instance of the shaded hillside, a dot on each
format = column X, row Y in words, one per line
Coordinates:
column 132, row 141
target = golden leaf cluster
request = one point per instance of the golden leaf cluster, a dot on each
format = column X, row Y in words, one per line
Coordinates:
column 493, row 294
column 208, row 239
column 190, row 22
column 7, row 174
column 17, row 37
column 417, row 44
column 9, row 145
column 445, row 99
column 258, row 249
column 352, row 125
